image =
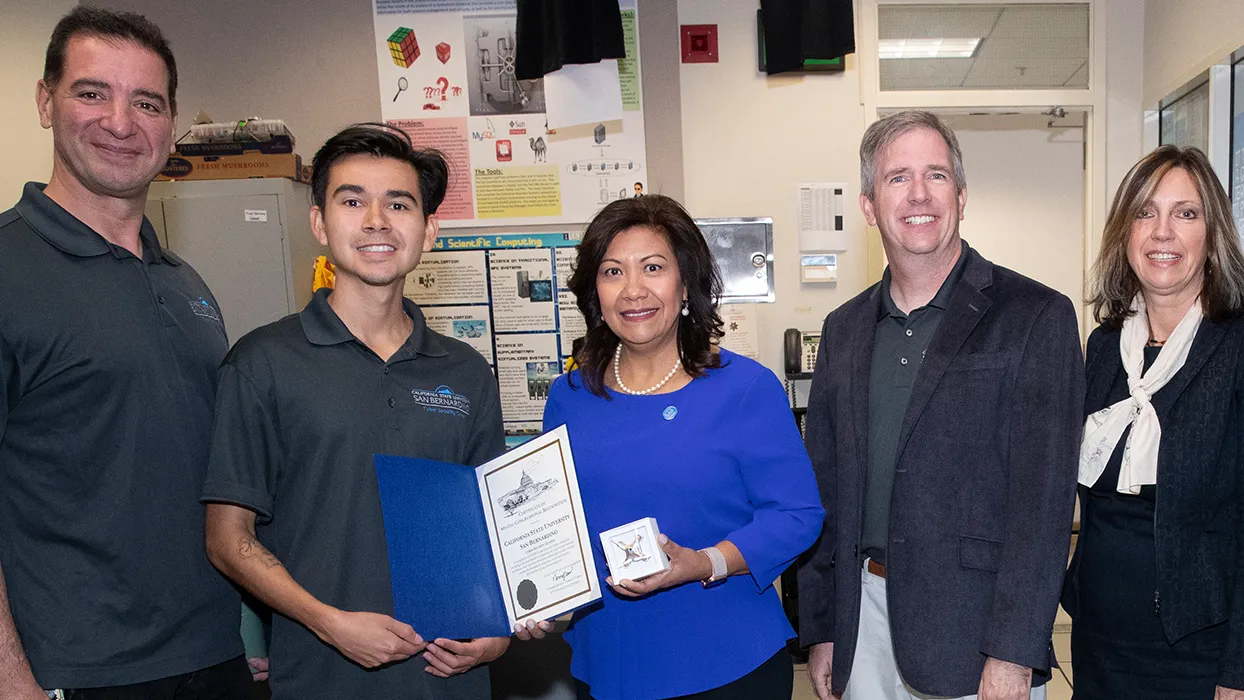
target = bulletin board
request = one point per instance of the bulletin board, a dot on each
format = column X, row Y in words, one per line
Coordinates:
column 505, row 295
column 446, row 72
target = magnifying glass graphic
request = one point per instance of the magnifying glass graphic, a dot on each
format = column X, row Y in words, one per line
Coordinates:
column 402, row 84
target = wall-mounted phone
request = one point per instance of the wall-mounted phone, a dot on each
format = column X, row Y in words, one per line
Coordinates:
column 799, row 353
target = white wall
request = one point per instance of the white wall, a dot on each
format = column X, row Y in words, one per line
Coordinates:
column 1026, row 196
column 311, row 64
column 26, row 148
column 1184, row 37
column 1125, row 76
column 748, row 140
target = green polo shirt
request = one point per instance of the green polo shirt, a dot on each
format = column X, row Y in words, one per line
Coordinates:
column 899, row 343
column 108, row 378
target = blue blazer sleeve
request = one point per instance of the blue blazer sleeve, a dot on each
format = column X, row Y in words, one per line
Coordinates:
column 779, row 481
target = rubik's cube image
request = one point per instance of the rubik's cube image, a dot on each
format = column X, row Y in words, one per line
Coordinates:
column 403, row 47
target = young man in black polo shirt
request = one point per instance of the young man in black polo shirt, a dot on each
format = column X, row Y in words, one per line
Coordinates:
column 305, row 402
column 109, row 346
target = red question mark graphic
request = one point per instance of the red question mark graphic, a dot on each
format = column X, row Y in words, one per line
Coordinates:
column 444, row 83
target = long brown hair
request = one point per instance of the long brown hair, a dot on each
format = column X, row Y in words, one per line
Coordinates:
column 1114, row 284
column 698, row 331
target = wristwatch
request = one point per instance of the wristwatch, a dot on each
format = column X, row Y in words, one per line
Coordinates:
column 720, row 571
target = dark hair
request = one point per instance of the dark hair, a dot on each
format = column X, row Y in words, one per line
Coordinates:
column 85, row 20
column 698, row 331
column 381, row 141
column 1114, row 283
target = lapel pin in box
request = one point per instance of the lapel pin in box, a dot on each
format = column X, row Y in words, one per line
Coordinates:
column 632, row 550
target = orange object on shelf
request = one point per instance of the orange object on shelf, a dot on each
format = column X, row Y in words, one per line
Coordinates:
column 325, row 274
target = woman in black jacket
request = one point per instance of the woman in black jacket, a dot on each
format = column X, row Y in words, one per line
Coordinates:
column 1156, row 586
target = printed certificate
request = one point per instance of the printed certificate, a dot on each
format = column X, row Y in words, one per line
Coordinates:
column 475, row 551
column 540, row 544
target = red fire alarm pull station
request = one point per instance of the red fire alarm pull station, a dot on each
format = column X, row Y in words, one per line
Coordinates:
column 699, row 43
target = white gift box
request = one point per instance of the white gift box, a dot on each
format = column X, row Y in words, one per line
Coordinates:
column 633, row 551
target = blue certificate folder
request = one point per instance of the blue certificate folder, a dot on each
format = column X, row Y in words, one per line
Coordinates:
column 440, row 560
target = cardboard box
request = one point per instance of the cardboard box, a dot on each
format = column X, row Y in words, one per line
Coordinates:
column 235, row 167
column 277, row 144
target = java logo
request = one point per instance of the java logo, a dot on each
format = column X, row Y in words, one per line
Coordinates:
column 177, row 167
column 442, row 400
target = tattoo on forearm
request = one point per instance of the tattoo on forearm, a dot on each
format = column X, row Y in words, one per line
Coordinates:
column 251, row 548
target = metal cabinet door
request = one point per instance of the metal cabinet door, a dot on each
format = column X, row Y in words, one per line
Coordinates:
column 241, row 258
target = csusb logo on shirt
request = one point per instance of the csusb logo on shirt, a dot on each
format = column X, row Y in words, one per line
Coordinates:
column 203, row 309
column 443, row 400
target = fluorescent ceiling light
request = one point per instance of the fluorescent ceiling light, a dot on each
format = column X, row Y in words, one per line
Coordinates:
column 927, row 48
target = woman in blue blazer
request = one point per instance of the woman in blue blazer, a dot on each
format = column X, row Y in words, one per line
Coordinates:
column 665, row 424
column 1156, row 585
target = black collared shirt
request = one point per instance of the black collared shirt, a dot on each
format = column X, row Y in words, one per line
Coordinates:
column 899, row 344
column 108, row 377
column 303, row 406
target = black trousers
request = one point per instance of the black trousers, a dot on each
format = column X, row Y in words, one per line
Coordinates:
column 772, row 680
column 230, row 680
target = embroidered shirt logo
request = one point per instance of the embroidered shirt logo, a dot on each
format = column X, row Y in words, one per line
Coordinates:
column 203, row 309
column 442, row 400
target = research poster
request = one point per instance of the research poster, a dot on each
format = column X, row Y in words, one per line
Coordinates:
column 447, row 78
column 505, row 296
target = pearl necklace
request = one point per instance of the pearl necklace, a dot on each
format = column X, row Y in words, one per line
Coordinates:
column 617, row 375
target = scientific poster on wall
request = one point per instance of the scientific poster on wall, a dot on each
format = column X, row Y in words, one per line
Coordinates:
column 446, row 72
column 505, row 295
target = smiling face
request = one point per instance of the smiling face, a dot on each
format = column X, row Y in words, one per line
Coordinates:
column 111, row 122
column 916, row 204
column 372, row 220
column 1167, row 244
column 640, row 289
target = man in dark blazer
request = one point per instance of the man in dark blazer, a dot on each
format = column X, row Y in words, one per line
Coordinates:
column 944, row 425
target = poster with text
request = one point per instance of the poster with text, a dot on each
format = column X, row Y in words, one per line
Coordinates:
column 470, row 324
column 505, row 296
column 446, row 72
column 523, row 296
column 527, row 364
column 449, row 278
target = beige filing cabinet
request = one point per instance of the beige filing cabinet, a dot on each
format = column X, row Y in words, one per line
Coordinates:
column 250, row 240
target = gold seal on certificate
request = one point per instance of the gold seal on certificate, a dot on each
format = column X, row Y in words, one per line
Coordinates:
column 633, row 551
column 541, row 548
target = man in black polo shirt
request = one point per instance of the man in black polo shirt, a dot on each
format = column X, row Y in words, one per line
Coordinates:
column 303, row 405
column 108, row 352
column 944, row 426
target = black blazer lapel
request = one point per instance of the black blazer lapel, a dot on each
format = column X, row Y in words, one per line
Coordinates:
column 1208, row 337
column 967, row 306
column 1101, row 374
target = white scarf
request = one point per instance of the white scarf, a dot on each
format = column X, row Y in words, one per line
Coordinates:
column 1103, row 429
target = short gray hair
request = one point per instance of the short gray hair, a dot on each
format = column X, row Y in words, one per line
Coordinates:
column 885, row 131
